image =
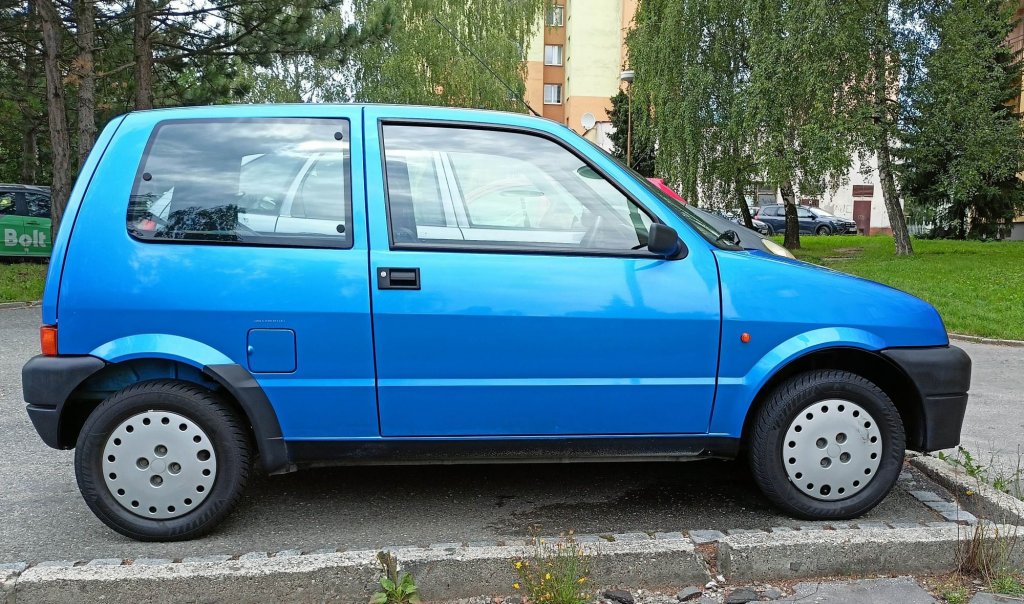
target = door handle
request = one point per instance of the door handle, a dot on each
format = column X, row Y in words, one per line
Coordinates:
column 398, row 278
column 33, row 223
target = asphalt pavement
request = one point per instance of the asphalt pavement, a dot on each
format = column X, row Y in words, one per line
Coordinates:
column 42, row 516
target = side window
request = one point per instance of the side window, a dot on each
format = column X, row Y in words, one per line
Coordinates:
column 250, row 181
column 508, row 189
column 803, row 213
column 7, row 205
column 38, row 205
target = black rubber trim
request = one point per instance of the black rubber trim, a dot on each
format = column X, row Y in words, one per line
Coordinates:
column 942, row 375
column 243, row 386
column 461, row 451
column 46, row 383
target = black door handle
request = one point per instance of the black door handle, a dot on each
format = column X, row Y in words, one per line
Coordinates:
column 398, row 278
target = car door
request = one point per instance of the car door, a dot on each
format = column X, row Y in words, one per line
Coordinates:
column 563, row 326
column 11, row 224
column 37, row 223
column 807, row 220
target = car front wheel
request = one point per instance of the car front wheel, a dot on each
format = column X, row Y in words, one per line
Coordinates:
column 162, row 460
column 827, row 445
column 823, row 230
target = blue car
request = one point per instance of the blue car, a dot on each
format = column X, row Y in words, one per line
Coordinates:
column 291, row 286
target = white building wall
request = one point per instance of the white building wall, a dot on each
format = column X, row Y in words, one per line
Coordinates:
column 840, row 200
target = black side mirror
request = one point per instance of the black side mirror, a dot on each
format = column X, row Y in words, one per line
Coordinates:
column 664, row 241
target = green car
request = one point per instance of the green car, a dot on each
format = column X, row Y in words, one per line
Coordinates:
column 25, row 221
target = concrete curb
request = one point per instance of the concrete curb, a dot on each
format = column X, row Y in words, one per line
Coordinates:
column 973, row 494
column 982, row 340
column 12, row 305
column 789, row 555
column 440, row 571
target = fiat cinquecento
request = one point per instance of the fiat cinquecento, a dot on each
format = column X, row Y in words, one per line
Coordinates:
column 288, row 286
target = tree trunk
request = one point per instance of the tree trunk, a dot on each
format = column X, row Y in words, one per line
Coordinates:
column 884, row 122
column 60, row 139
column 748, row 220
column 792, row 241
column 143, row 49
column 85, row 17
column 897, row 220
column 29, row 151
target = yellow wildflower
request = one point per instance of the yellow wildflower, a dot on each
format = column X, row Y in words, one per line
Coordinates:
column 519, row 565
column 970, row 492
column 581, row 580
column 515, row 586
column 547, row 577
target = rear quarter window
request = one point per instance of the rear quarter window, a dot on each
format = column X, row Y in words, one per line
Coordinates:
column 245, row 182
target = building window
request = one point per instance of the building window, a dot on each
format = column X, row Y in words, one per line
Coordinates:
column 552, row 54
column 556, row 16
column 765, row 196
column 552, row 94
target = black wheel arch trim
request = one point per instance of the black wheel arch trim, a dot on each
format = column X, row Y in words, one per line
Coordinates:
column 48, row 382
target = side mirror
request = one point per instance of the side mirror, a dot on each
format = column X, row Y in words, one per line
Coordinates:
column 664, row 241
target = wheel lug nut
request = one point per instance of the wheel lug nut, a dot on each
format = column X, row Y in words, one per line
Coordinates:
column 142, row 463
column 156, row 481
column 160, row 450
column 174, row 468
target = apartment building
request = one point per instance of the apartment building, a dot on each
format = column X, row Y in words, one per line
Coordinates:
column 574, row 62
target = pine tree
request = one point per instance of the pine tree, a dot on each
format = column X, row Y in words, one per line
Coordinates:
column 965, row 147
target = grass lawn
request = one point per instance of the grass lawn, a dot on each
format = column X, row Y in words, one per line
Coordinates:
column 977, row 287
column 22, row 281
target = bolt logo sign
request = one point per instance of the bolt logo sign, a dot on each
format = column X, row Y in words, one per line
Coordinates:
column 35, row 239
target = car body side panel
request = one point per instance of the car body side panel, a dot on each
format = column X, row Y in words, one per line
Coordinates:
column 60, row 241
column 791, row 309
column 122, row 298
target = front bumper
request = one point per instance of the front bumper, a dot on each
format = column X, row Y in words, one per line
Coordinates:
column 46, row 384
column 942, row 376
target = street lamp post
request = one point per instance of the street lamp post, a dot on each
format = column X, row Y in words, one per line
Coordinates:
column 627, row 77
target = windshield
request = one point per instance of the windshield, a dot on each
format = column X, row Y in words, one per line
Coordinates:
column 821, row 213
column 682, row 210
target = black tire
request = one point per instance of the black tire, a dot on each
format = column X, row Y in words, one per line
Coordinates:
column 791, row 399
column 771, row 231
column 823, row 230
column 227, row 433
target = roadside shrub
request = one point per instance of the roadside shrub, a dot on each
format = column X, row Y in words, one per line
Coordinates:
column 396, row 588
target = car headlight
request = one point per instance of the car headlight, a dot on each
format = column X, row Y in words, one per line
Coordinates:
column 777, row 249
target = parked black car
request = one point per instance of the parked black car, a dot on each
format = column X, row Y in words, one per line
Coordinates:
column 813, row 221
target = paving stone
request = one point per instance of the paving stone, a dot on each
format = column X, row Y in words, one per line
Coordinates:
column 812, row 527
column 905, row 525
column 867, row 591
column 13, row 567
column 782, row 529
column 743, row 531
column 841, row 526
column 926, row 496
column 631, row 536
column 741, row 596
column 324, row 551
column 254, row 556
column 987, row 598
column 942, row 506
column 700, row 537
column 56, row 564
column 152, row 561
column 872, row 525
column 689, row 593
column 105, row 562
column 671, row 536
column 960, row 516
column 938, row 524
column 589, row 539
column 453, row 545
column 772, row 593
column 619, row 595
column 206, row 559
column 489, row 543
column 288, row 553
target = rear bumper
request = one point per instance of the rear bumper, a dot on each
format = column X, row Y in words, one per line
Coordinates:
column 46, row 383
column 942, row 376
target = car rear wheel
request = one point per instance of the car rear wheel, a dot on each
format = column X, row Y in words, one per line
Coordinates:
column 771, row 231
column 162, row 460
column 823, row 230
column 827, row 444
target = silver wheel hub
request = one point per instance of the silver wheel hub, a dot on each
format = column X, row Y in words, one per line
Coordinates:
column 832, row 449
column 159, row 464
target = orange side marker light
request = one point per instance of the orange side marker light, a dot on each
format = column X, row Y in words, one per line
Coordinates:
column 744, row 337
column 48, row 340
